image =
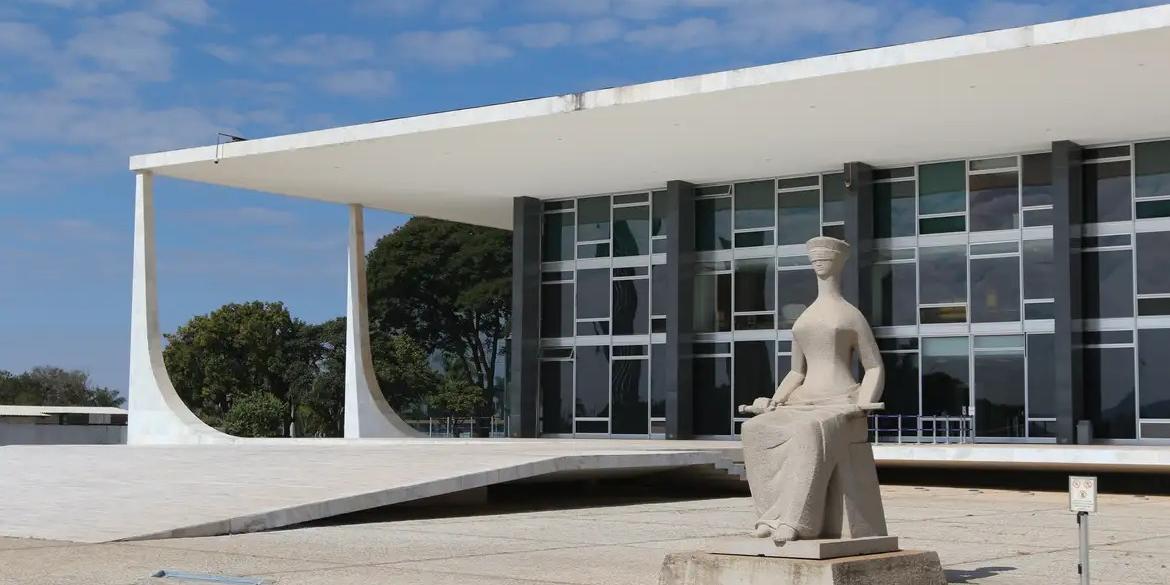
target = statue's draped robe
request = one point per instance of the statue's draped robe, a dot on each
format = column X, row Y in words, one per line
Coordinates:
column 791, row 453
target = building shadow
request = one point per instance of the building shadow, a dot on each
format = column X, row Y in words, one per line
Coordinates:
column 970, row 575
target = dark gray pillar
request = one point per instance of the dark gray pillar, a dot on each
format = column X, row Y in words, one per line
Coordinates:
column 855, row 280
column 680, row 276
column 1067, row 216
column 525, row 346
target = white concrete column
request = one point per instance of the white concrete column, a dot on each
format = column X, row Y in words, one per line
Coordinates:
column 157, row 414
column 367, row 414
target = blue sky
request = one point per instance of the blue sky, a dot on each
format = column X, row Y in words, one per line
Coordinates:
column 86, row 83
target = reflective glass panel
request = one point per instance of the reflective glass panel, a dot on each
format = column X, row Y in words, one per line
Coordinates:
column 945, row 376
column 712, row 302
column 556, row 396
column 795, row 291
column 659, row 289
column 995, row 201
column 556, row 310
column 995, row 289
column 901, row 390
column 557, row 237
column 755, row 285
column 1152, row 168
column 712, row 395
column 593, row 219
column 1037, row 179
column 1108, row 284
column 713, row 224
column 1041, row 376
column 631, row 396
column 833, row 197
column 753, row 370
column 1154, row 372
column 1107, row 192
column 753, row 204
column 1038, row 269
column 658, row 213
column 631, row 307
column 1155, row 208
column 894, row 209
column 1153, row 263
column 895, row 299
column 798, row 216
column 1109, row 391
column 631, row 231
column 659, row 382
column 942, row 225
column 593, row 293
column 592, row 381
column 942, row 274
column 999, row 394
column 942, row 188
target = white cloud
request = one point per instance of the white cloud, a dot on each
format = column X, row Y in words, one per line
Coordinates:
column 130, row 42
column 320, row 50
column 543, row 35
column 24, row 39
column 225, row 53
column 601, row 30
column 451, row 48
column 364, row 83
column 923, row 24
column 692, row 33
column 188, row 11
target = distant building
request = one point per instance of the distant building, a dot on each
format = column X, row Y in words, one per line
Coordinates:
column 62, row 425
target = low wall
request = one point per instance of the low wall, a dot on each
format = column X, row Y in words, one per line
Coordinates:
column 26, row 434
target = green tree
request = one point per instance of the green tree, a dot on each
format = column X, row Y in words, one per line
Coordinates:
column 258, row 414
column 448, row 286
column 52, row 386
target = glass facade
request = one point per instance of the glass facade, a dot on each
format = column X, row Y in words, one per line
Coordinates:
column 961, row 298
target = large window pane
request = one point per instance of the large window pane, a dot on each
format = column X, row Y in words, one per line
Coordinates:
column 712, row 396
column 942, row 188
column 795, row 291
column 755, row 285
column 1153, row 263
column 753, row 204
column 631, row 307
column 833, row 197
column 593, row 219
column 713, row 224
column 658, row 203
column 1109, row 391
column 1038, row 269
column 798, row 216
column 1037, row 179
column 658, row 380
column 558, row 237
column 893, row 209
column 631, row 395
column 753, row 370
column 999, row 394
column 995, row 201
column 592, row 381
column 1154, row 372
column 1152, row 168
column 631, row 231
column 556, row 310
column 943, row 274
column 901, row 389
column 1108, row 284
column 659, row 290
column 995, row 289
column 895, row 299
column 593, row 293
column 1107, row 192
column 945, row 376
column 1041, row 376
column 556, row 396
column 712, row 302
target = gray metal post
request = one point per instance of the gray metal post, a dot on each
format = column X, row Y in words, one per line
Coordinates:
column 1083, row 529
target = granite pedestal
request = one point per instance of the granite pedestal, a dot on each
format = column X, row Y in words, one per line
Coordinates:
column 907, row 567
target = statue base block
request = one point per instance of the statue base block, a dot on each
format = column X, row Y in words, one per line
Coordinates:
column 828, row 548
column 907, row 567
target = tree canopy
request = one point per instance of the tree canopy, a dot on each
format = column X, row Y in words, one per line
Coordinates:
column 51, row 386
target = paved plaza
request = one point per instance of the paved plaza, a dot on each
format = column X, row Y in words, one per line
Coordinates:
column 982, row 536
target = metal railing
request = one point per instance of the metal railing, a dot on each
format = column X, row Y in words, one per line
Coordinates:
column 461, row 427
column 921, row 429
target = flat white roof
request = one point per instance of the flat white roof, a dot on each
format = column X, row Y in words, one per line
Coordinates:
column 1091, row 80
column 22, row 410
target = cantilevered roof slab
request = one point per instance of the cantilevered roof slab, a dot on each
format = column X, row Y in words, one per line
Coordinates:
column 1091, row 80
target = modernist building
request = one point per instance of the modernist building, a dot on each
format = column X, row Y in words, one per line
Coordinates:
column 1006, row 194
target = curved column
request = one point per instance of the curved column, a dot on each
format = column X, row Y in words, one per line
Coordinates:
column 367, row 414
column 157, row 414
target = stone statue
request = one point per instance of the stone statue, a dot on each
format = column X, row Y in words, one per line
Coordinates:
column 809, row 463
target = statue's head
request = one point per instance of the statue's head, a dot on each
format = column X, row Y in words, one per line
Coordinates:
column 827, row 255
